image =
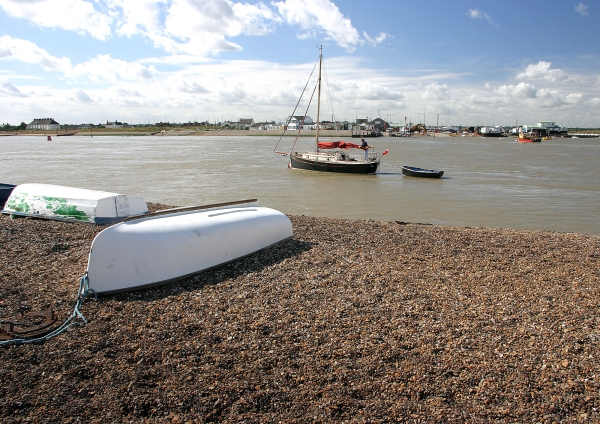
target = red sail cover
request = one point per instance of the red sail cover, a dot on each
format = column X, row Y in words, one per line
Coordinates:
column 337, row 145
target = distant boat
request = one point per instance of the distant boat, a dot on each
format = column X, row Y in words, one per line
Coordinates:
column 170, row 245
column 335, row 161
column 412, row 171
column 72, row 204
column 528, row 138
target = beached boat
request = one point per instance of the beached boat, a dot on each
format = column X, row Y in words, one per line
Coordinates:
column 5, row 191
column 170, row 245
column 412, row 171
column 334, row 161
column 72, row 204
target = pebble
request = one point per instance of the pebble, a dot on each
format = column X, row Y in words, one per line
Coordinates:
column 352, row 320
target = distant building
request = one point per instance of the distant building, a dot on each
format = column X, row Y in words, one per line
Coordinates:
column 491, row 131
column 299, row 122
column 379, row 124
column 552, row 128
column 43, row 124
column 265, row 126
column 115, row 124
column 245, row 123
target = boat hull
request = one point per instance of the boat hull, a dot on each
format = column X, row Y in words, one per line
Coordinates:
column 5, row 191
column 412, row 171
column 72, row 204
column 529, row 140
column 155, row 250
column 358, row 167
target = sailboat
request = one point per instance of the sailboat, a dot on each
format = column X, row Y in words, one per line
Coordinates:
column 334, row 160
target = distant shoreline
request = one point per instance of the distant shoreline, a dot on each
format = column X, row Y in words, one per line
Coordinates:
column 131, row 132
column 195, row 133
column 184, row 132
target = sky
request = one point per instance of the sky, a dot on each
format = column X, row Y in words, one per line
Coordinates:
column 434, row 61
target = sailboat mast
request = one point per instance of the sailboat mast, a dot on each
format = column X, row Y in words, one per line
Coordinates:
column 319, row 94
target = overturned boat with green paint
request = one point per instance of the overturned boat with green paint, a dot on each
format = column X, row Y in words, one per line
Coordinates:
column 72, row 204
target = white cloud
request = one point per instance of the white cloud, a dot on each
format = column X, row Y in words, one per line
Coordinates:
column 435, row 91
column 198, row 27
column 575, row 98
column 195, row 27
column 377, row 40
column 180, row 26
column 193, row 88
column 542, row 71
column 582, row 9
column 519, row 91
column 316, row 17
column 82, row 96
column 105, row 68
column 72, row 15
column 476, row 14
column 8, row 89
column 101, row 68
column 28, row 52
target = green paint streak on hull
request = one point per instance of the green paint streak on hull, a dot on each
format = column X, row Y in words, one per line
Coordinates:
column 58, row 207
column 17, row 203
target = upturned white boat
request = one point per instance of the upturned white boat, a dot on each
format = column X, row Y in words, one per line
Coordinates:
column 72, row 204
column 170, row 245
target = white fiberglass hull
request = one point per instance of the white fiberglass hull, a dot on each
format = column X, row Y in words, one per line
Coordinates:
column 155, row 250
column 72, row 204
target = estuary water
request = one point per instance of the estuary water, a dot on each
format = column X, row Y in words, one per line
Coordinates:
column 488, row 182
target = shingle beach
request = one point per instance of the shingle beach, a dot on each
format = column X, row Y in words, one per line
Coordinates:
column 351, row 321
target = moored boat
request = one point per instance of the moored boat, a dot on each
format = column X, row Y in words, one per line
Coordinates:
column 413, row 171
column 335, row 161
column 170, row 245
column 72, row 204
column 528, row 139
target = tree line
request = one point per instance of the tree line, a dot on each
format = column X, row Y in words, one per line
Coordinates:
column 8, row 127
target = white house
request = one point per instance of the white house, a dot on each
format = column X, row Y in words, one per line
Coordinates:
column 265, row 126
column 552, row 128
column 296, row 122
column 115, row 124
column 43, row 124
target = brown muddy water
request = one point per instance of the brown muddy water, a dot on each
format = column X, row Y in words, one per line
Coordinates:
column 499, row 183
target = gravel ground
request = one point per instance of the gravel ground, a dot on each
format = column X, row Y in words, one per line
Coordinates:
column 352, row 320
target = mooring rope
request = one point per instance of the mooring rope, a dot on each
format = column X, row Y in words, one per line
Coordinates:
column 83, row 292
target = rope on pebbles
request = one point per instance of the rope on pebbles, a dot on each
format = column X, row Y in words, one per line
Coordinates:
column 82, row 293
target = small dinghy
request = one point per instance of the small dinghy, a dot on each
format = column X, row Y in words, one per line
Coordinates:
column 166, row 246
column 412, row 171
column 5, row 190
column 72, row 204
